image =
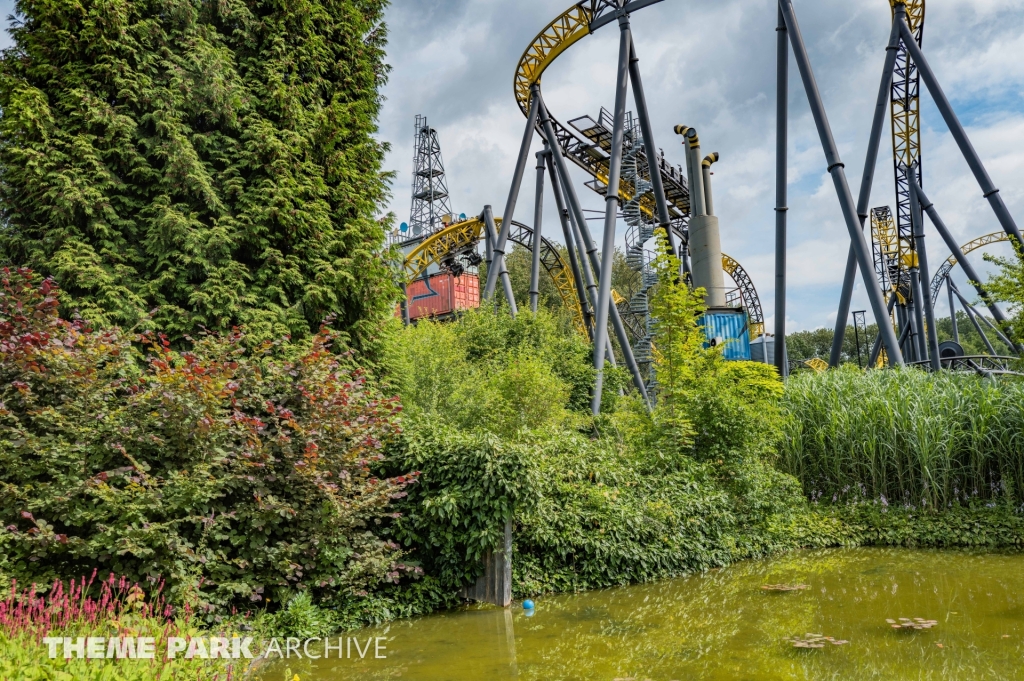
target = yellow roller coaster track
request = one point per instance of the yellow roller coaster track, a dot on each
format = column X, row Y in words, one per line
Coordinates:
column 952, row 261
column 906, row 123
column 467, row 234
column 905, row 113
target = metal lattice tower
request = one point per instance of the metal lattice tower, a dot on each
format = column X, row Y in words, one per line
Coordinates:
column 905, row 108
column 429, row 188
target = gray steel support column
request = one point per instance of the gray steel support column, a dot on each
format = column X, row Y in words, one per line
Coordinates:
column 903, row 323
column 924, row 274
column 907, row 334
column 510, row 205
column 781, row 191
column 977, row 327
column 488, row 245
column 921, row 342
column 835, row 169
column 995, row 329
column 538, row 216
column 405, row 304
column 498, row 264
column 952, row 310
column 877, row 346
column 567, row 235
column 866, row 181
column 988, row 189
column 576, row 210
column 657, row 186
column 586, row 256
column 611, row 211
column 961, row 258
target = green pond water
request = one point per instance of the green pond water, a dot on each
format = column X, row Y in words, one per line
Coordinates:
column 722, row 625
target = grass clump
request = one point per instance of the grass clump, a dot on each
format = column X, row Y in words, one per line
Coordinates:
column 905, row 437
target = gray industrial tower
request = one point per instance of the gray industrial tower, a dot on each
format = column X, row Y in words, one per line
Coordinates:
column 429, row 188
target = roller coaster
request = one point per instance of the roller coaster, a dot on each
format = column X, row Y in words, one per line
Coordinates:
column 617, row 151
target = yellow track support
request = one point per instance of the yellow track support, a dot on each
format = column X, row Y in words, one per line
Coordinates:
column 906, row 115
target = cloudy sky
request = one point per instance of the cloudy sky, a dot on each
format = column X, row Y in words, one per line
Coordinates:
column 711, row 65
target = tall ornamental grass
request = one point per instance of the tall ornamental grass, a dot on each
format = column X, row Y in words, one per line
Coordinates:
column 905, row 436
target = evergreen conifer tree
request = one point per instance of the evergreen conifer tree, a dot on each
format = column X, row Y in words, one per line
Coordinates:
column 211, row 160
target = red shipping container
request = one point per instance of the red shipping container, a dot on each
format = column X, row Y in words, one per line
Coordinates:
column 442, row 295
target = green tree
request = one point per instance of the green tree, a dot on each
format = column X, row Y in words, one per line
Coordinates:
column 1008, row 287
column 708, row 408
column 213, row 161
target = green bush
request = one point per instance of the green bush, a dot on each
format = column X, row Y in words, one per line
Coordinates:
column 629, row 496
column 239, row 476
column 492, row 373
column 468, row 484
column 905, row 436
column 708, row 408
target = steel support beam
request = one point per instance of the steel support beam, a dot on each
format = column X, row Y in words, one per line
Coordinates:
column 952, row 311
column 781, row 192
column 611, row 211
column 921, row 343
column 989, row 190
column 836, row 170
column 961, row 257
column 999, row 334
column 567, row 236
column 866, row 181
column 493, row 261
column 969, row 309
column 510, row 206
column 650, row 150
column 575, row 209
column 538, row 216
column 931, row 341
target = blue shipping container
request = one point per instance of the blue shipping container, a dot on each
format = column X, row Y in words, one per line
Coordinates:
column 729, row 328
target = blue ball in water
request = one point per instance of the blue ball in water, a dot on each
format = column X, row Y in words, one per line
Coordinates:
column 527, row 604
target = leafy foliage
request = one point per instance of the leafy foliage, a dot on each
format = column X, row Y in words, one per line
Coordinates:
column 492, row 373
column 239, row 476
column 640, row 496
column 1008, row 286
column 710, row 408
column 212, row 160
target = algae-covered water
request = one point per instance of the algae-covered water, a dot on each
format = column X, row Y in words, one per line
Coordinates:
column 722, row 625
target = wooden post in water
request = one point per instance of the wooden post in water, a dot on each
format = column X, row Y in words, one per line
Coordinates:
column 495, row 584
